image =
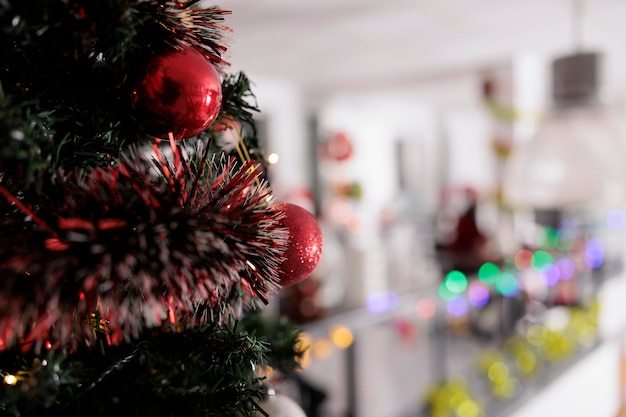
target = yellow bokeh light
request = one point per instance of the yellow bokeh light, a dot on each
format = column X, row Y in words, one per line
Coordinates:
column 526, row 362
column 321, row 348
column 303, row 342
column 536, row 335
column 507, row 389
column 305, row 359
column 341, row 336
column 468, row 408
column 498, row 372
column 10, row 379
column 266, row 372
column 273, row 158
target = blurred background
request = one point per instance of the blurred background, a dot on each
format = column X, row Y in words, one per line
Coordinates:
column 465, row 160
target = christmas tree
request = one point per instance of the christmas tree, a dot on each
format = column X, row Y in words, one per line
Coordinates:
column 137, row 243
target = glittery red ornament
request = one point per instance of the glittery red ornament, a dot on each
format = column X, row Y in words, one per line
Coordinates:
column 178, row 92
column 305, row 245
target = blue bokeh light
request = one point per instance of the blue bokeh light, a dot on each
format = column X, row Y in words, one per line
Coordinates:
column 615, row 220
column 457, row 306
column 594, row 253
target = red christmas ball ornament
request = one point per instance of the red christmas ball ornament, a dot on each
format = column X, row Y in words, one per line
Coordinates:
column 340, row 147
column 305, row 244
column 337, row 148
column 178, row 92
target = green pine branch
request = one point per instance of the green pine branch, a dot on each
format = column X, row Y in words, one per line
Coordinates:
column 208, row 371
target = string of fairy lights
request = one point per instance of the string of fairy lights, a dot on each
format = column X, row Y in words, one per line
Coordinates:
column 559, row 256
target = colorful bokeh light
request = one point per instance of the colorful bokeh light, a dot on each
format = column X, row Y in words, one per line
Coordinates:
column 341, row 336
column 10, row 379
column 379, row 303
column 425, row 308
column 488, row 273
column 615, row 220
column 456, row 282
column 478, row 294
column 550, row 274
column 548, row 238
column 321, row 348
column 566, row 268
column 507, row 285
column 540, row 259
column 594, row 253
column 522, row 259
column 303, row 344
column 445, row 293
column 568, row 230
column 457, row 306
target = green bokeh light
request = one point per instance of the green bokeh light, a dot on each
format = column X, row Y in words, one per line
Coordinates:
column 540, row 259
column 456, row 282
column 488, row 273
column 445, row 293
column 548, row 238
column 507, row 284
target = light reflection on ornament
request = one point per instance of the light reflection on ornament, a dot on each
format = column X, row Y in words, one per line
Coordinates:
column 478, row 294
column 594, row 253
column 615, row 220
column 457, row 306
column 425, row 308
column 177, row 92
column 304, row 248
column 251, row 265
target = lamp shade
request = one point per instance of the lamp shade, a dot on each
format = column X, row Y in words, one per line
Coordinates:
column 576, row 158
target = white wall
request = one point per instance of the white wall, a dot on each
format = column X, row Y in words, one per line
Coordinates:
column 282, row 106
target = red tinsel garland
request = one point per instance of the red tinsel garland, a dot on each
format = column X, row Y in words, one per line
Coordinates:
column 130, row 246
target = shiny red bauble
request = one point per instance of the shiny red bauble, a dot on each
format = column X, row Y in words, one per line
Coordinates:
column 177, row 92
column 305, row 244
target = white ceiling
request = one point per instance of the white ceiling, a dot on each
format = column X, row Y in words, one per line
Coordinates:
column 330, row 45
